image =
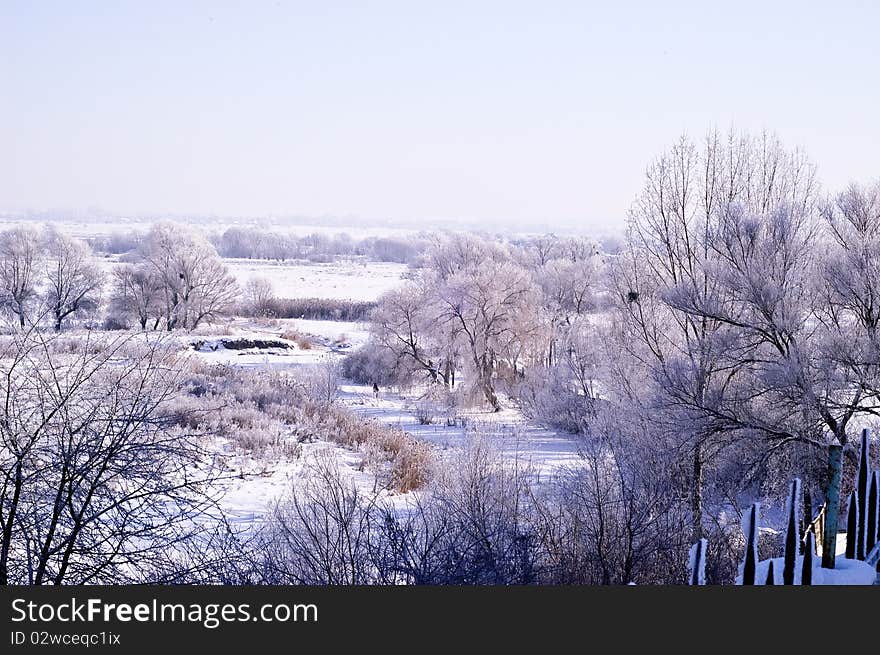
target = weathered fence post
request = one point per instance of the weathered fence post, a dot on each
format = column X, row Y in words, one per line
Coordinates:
column 750, row 561
column 872, row 536
column 852, row 525
column 791, row 534
column 807, row 562
column 862, row 483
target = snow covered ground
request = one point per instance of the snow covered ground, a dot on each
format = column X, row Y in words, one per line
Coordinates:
column 341, row 280
column 845, row 572
column 259, row 484
column 540, row 450
column 327, row 340
column 252, row 487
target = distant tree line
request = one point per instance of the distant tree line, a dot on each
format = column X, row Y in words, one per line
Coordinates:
column 254, row 243
column 257, row 243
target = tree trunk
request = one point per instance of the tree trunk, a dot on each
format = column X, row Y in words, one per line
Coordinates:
column 483, row 366
column 832, row 504
column 489, row 392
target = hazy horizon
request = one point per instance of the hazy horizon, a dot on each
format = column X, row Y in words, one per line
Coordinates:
column 499, row 115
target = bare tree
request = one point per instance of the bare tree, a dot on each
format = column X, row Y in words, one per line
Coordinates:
column 473, row 525
column 321, row 533
column 617, row 518
column 94, row 485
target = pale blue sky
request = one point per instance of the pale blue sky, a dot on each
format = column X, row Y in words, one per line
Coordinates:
column 542, row 112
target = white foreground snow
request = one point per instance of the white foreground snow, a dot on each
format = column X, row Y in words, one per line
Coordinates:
column 845, row 572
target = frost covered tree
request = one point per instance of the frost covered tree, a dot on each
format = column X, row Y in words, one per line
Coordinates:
column 194, row 284
column 681, row 357
column 542, row 249
column 458, row 252
column 21, row 254
column 73, row 282
column 566, row 393
column 794, row 307
column 259, row 296
column 570, row 288
column 137, row 293
column 492, row 307
column 470, row 307
column 404, row 326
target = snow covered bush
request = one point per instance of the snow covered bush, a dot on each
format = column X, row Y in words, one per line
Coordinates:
column 373, row 364
column 269, row 413
column 548, row 396
column 473, row 524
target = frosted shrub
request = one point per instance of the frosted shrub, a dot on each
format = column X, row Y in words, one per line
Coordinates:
column 472, row 525
column 322, row 382
column 320, row 534
column 424, row 412
column 372, row 363
column 547, row 396
column 269, row 414
column 302, row 341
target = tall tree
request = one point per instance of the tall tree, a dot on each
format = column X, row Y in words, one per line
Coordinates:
column 682, row 355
